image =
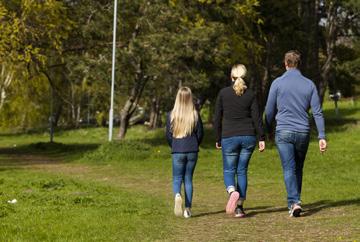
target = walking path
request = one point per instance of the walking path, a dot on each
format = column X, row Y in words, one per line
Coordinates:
column 267, row 220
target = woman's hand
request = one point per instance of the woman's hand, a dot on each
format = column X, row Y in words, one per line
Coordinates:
column 218, row 146
column 322, row 145
column 261, row 146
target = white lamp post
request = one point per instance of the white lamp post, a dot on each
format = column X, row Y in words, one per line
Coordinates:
column 111, row 113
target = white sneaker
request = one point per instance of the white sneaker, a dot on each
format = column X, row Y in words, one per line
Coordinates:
column 187, row 213
column 178, row 205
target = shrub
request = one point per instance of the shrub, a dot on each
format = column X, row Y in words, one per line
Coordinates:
column 129, row 150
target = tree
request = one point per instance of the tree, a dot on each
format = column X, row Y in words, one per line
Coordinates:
column 284, row 28
column 178, row 43
column 342, row 21
column 33, row 33
column 55, row 55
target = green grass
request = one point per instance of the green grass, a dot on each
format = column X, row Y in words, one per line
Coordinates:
column 57, row 208
column 85, row 189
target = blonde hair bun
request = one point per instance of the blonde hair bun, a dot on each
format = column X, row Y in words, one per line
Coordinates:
column 238, row 72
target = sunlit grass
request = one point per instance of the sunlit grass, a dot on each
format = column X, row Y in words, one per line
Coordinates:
column 122, row 190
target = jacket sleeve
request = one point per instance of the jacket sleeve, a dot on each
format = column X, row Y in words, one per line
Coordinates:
column 317, row 113
column 169, row 135
column 199, row 130
column 218, row 118
column 257, row 119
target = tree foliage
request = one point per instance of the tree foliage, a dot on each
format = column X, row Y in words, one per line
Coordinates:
column 55, row 56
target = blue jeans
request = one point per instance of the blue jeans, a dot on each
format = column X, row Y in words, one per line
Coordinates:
column 237, row 151
column 183, row 166
column 292, row 147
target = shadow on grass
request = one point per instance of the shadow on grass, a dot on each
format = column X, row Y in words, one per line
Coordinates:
column 157, row 141
column 45, row 130
column 42, row 153
column 308, row 210
column 258, row 210
column 208, row 214
column 339, row 125
column 311, row 209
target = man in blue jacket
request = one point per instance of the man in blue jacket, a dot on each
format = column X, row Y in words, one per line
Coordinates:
column 290, row 98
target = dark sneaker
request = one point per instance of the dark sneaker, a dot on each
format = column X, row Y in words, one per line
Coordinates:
column 187, row 213
column 295, row 210
column 239, row 212
column 231, row 204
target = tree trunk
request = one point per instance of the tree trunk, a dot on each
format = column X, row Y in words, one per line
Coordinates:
column 310, row 55
column 154, row 113
column 266, row 79
column 211, row 117
column 256, row 82
column 73, row 106
column 132, row 102
column 57, row 114
column 78, row 116
column 124, row 118
column 6, row 79
column 126, row 113
column 137, row 89
column 73, row 115
column 330, row 39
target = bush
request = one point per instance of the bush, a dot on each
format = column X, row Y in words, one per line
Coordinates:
column 129, row 150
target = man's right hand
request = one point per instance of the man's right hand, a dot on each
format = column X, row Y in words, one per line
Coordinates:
column 322, row 145
column 218, row 146
column 261, row 146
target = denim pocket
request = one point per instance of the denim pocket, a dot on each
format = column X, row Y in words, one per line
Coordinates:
column 230, row 145
column 249, row 142
column 283, row 137
column 228, row 140
column 302, row 141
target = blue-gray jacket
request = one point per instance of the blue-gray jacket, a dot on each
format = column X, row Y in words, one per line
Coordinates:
column 187, row 144
column 290, row 98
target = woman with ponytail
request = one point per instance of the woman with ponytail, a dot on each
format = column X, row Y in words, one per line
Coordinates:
column 237, row 122
column 184, row 132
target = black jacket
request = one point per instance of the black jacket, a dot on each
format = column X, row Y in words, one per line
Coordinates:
column 237, row 115
column 187, row 144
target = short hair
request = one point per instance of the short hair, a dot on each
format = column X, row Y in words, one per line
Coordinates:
column 292, row 58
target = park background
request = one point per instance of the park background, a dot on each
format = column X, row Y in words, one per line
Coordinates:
column 55, row 71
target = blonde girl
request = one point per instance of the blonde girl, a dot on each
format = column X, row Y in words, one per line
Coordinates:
column 184, row 132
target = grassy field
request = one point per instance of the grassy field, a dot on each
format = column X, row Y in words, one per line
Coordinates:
column 84, row 189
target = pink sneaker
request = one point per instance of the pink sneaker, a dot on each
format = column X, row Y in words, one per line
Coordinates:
column 232, row 202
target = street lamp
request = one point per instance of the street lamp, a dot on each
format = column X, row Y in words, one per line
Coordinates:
column 111, row 113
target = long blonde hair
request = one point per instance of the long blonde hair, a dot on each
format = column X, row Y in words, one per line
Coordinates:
column 184, row 115
column 238, row 72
